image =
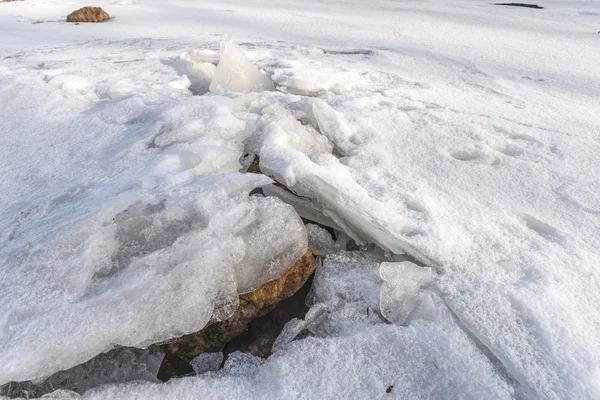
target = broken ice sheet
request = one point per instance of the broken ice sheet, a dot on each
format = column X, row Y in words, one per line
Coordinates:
column 401, row 289
column 298, row 158
column 429, row 359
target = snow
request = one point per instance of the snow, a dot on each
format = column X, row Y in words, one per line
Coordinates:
column 460, row 136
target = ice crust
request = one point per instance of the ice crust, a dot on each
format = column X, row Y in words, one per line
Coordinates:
column 432, row 138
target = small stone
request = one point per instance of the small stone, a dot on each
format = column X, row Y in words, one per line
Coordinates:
column 88, row 14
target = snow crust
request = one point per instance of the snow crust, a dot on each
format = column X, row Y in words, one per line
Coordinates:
column 460, row 137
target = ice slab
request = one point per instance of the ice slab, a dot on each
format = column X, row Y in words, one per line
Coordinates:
column 150, row 266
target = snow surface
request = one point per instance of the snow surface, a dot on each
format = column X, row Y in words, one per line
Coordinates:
column 463, row 134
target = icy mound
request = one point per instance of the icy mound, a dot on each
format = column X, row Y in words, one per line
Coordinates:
column 235, row 73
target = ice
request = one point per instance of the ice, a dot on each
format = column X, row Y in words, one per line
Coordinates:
column 295, row 326
column 347, row 285
column 120, row 365
column 315, row 78
column 430, row 358
column 199, row 57
column 199, row 67
column 62, row 395
column 433, row 140
column 320, row 240
column 182, row 83
column 401, row 290
column 149, row 267
column 266, row 244
column 236, row 73
column 296, row 157
column 206, row 362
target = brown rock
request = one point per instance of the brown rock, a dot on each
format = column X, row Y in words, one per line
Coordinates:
column 88, row 14
column 179, row 352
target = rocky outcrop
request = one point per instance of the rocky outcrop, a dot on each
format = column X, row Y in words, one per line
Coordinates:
column 215, row 335
column 88, row 14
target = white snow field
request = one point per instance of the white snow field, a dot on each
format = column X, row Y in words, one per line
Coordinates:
column 456, row 142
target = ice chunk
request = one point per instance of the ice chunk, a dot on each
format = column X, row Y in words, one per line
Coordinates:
column 199, row 66
column 235, row 73
column 239, row 364
column 275, row 240
column 62, row 395
column 293, row 328
column 205, row 362
column 320, row 240
column 200, row 57
column 119, row 365
column 305, row 207
column 331, row 125
column 183, row 83
column 310, row 78
column 347, row 278
column 289, row 154
column 401, row 289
